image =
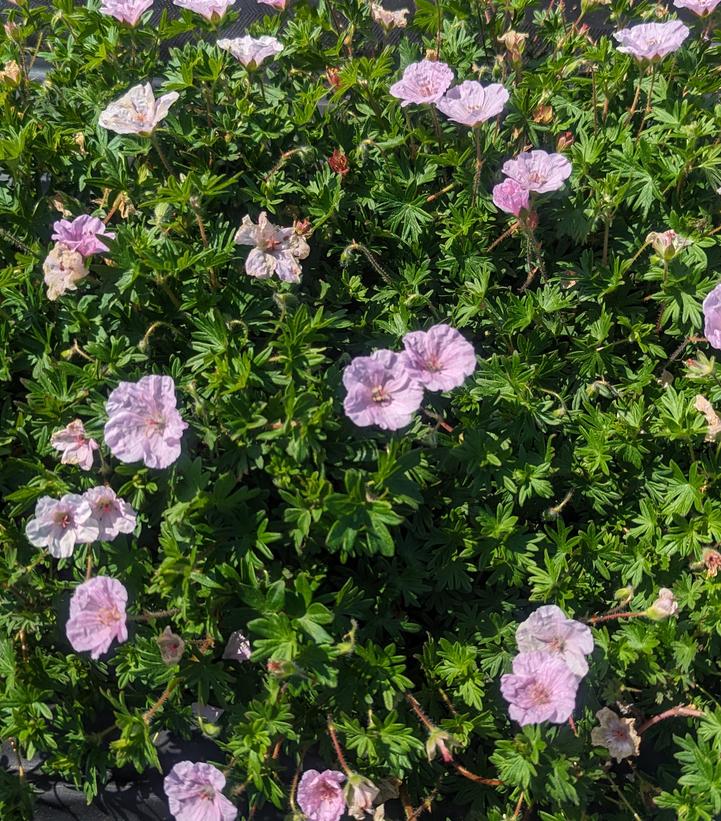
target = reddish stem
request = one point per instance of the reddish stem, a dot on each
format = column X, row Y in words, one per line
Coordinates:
column 689, row 712
column 572, row 725
column 337, row 747
column 479, row 779
column 416, row 707
column 610, row 616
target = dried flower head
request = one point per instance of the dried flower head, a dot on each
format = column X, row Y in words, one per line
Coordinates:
column 76, row 447
column 360, row 793
column 652, row 41
column 251, row 51
column 97, row 616
column 277, row 250
column 380, row 391
column 423, row 82
column 712, row 418
column 540, row 688
column 137, row 111
column 63, row 269
column 11, row 73
column 514, row 42
column 616, row 734
column 549, row 630
column 320, row 795
column 389, row 19
column 171, row 646
column 60, row 524
column 195, row 793
column 338, row 161
column 667, row 244
column 470, row 103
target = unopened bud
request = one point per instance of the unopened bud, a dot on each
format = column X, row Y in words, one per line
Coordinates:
column 664, row 606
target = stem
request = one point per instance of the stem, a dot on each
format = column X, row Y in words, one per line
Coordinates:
column 610, row 616
column 649, row 101
column 416, row 707
column 371, row 258
column 89, row 564
column 606, row 230
column 479, row 162
column 149, row 615
column 636, row 255
column 636, row 98
column 336, row 746
column 444, row 190
column 594, row 94
column 18, row 758
column 572, row 725
column 156, row 143
column 437, row 127
column 15, row 241
column 164, row 696
column 169, row 292
column 680, row 710
column 513, row 228
column 517, row 811
column 440, row 420
column 478, row 779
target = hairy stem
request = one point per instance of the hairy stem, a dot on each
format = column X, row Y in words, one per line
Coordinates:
column 680, row 710
column 336, row 746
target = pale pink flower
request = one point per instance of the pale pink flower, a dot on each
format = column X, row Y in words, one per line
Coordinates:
column 389, row 19
column 251, row 51
column 700, row 7
column 113, row 515
column 212, row 10
column 667, row 243
column 82, row 234
column 137, row 111
column 423, row 82
column 511, row 197
column 439, row 358
column 144, row 423
column 237, row 648
column 470, row 103
column 538, row 170
column 540, row 688
column 548, row 629
column 277, row 4
column 60, row 524
column 97, row 616
column 380, row 391
column 652, row 41
column 126, row 11
column 664, row 606
column 63, row 269
column 617, row 735
column 194, row 793
column 360, row 793
column 320, row 795
column 712, row 317
column 76, row 447
column 277, row 250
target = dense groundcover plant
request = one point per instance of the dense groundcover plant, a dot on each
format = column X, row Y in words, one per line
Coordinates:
column 360, row 406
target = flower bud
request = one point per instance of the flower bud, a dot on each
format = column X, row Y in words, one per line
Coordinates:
column 664, row 606
column 515, row 42
column 700, row 367
column 360, row 793
column 438, row 743
column 667, row 244
column 624, row 594
column 564, row 141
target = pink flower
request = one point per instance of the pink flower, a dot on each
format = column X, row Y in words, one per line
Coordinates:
column 540, row 688
column 81, row 234
column 389, row 19
column 712, row 318
column 113, row 515
column 549, row 630
column 137, row 111
column 277, row 250
column 424, row 82
column 277, row 4
column 126, row 11
column 380, row 391
column 664, row 606
column 97, row 616
column 60, row 524
column 618, row 735
column 144, row 423
column 251, row 51
column 700, row 7
column 667, row 243
column 212, row 10
column 652, row 41
column 75, row 446
column 439, row 358
column 63, row 269
column 538, row 171
column 320, row 795
column 511, row 197
column 237, row 648
column 470, row 103
column 194, row 793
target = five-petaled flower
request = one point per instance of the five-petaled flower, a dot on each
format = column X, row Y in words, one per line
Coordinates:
column 440, row 358
column 125, row 11
column 195, row 793
column 549, row 630
column 538, row 170
column 60, row 524
column 277, row 250
column 320, row 795
column 76, row 447
column 652, row 41
column 212, row 10
column 251, row 51
column 380, row 391
column 82, row 234
column 144, row 423
column 137, row 111
column 97, row 616
column 617, row 735
column 237, row 648
column 540, row 688
column 470, row 103
column 423, row 82
column 113, row 515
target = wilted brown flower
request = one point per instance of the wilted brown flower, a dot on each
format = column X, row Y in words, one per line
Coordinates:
column 338, row 161
column 171, row 646
column 515, row 42
column 564, row 141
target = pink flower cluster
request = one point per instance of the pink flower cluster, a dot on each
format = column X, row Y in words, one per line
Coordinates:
column 531, row 171
column 60, row 524
column 548, row 668
column 386, row 388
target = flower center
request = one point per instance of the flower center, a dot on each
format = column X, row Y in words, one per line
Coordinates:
column 539, row 694
column 536, row 176
column 109, row 615
column 380, row 395
column 327, row 793
column 433, row 364
column 157, row 423
column 207, row 792
column 64, row 519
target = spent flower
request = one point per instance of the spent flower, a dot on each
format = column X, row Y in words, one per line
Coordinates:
column 171, row 646
column 664, row 606
column 277, row 250
column 390, row 19
column 77, row 448
column 238, row 647
column 63, row 269
column 617, row 735
column 667, row 243
column 360, row 793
